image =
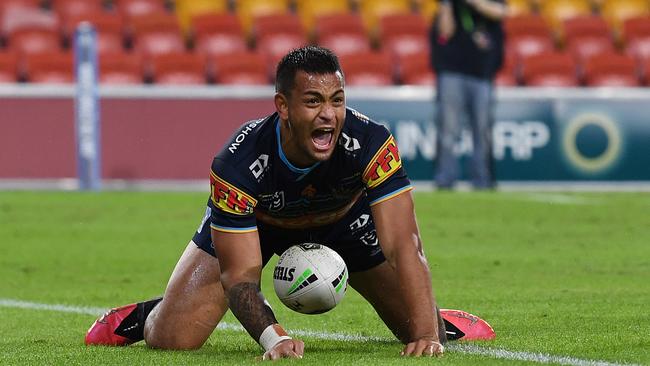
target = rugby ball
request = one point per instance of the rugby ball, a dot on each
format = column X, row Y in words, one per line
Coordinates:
column 310, row 278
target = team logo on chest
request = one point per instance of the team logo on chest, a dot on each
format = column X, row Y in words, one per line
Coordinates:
column 349, row 143
column 277, row 201
column 259, row 166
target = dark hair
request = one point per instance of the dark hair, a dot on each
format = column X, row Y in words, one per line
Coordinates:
column 310, row 59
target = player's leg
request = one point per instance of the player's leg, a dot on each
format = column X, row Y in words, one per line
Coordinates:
column 193, row 304
column 379, row 285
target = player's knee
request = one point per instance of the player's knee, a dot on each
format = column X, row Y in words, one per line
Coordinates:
column 172, row 340
column 165, row 334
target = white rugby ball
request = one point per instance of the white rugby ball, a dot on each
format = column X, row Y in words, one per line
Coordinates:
column 310, row 278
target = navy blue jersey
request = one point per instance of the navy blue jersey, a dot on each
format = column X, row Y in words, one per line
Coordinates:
column 252, row 180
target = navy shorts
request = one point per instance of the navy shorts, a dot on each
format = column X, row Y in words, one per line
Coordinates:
column 354, row 237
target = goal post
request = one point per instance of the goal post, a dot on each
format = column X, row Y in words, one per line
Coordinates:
column 87, row 119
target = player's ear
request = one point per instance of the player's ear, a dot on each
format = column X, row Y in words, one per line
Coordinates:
column 281, row 105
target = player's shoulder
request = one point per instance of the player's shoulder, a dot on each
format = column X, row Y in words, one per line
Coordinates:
column 360, row 131
column 248, row 139
column 361, row 126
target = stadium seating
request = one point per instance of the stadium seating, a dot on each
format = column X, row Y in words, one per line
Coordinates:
column 373, row 10
column 342, row 33
column 527, row 35
column 217, row 33
column 8, row 68
column 549, row 69
column 120, row 68
column 415, row 69
column 240, row 68
column 617, row 11
column 587, row 36
column 49, row 67
column 178, row 69
column 428, row 9
column 136, row 8
column 73, row 8
column 367, row 69
column 277, row 34
column 187, row 9
column 403, row 34
column 557, row 11
column 611, row 69
column 156, row 33
column 310, row 10
column 248, row 10
column 108, row 27
column 636, row 33
column 519, row 7
column 35, row 29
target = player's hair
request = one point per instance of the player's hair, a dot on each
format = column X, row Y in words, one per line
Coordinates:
column 310, row 59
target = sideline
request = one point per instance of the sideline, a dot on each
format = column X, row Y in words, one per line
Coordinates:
column 460, row 348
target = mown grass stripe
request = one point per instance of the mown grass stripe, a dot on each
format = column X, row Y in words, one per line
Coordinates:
column 460, row 348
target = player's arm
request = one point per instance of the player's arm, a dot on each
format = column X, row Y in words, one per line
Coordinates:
column 240, row 260
column 399, row 238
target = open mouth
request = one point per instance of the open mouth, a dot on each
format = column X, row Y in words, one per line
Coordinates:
column 322, row 138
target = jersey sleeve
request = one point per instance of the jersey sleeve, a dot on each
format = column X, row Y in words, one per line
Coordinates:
column 231, row 200
column 383, row 174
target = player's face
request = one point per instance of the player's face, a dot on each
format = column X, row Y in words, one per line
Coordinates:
column 313, row 116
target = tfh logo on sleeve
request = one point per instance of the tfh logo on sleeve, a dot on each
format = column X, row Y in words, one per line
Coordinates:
column 384, row 164
column 229, row 198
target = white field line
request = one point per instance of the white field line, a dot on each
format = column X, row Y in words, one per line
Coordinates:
column 461, row 348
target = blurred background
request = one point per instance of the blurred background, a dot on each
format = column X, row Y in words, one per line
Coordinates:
column 176, row 78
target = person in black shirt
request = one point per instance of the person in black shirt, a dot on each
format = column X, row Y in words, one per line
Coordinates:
column 467, row 50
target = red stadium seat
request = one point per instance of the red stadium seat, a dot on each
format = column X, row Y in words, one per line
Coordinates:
column 415, row 69
column 587, row 36
column 617, row 11
column 636, row 32
column 178, row 69
column 8, row 67
column 527, row 35
column 35, row 40
column 120, row 68
column 156, row 34
column 277, row 34
column 50, row 67
column 373, row 10
column 136, row 8
column 611, row 69
column 645, row 71
column 557, row 11
column 108, row 27
column 310, row 10
column 186, row 10
column 248, row 10
column 403, row 34
column 217, row 33
column 342, row 33
column 243, row 68
column 26, row 18
column 550, row 69
column 367, row 69
column 74, row 8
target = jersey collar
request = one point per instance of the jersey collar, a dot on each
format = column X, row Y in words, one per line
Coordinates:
column 302, row 171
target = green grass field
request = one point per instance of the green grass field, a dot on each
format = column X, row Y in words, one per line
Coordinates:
column 561, row 275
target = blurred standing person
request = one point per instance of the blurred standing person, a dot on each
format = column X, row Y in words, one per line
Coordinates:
column 467, row 51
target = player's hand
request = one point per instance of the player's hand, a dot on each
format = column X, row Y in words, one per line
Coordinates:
column 425, row 346
column 289, row 348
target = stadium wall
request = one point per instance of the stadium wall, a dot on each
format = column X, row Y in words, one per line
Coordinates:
column 163, row 133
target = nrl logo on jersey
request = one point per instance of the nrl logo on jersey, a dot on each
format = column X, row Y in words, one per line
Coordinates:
column 259, row 166
column 349, row 143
